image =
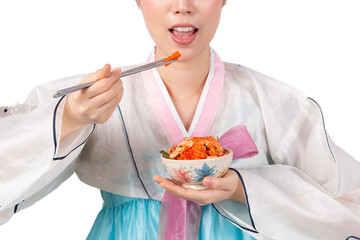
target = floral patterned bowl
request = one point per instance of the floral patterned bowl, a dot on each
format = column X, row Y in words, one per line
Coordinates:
column 191, row 172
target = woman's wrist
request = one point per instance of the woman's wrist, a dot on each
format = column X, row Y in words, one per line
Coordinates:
column 238, row 195
column 69, row 124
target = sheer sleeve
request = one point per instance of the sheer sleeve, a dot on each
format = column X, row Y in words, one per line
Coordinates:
column 307, row 187
column 32, row 162
column 312, row 191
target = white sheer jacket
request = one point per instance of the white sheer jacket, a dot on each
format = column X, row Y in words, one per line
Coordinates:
column 300, row 185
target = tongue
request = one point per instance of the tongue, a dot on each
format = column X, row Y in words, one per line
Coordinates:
column 183, row 35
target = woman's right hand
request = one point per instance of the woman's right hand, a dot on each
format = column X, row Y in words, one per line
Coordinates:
column 94, row 104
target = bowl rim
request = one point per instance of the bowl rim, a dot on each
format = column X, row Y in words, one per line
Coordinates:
column 199, row 160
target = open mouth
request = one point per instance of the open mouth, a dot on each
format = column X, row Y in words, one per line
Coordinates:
column 183, row 32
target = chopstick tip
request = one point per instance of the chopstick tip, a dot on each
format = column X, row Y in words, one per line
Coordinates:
column 173, row 56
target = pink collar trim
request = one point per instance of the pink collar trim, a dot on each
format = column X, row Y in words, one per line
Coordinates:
column 206, row 109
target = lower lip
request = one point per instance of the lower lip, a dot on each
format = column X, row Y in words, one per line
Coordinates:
column 183, row 41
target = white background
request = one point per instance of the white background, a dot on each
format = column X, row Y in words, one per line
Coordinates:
column 311, row 45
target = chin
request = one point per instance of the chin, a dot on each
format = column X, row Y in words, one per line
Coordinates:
column 189, row 53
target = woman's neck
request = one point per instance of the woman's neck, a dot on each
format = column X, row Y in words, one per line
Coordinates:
column 185, row 81
column 186, row 78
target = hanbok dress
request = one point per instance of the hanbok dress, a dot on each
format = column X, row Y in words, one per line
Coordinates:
column 300, row 185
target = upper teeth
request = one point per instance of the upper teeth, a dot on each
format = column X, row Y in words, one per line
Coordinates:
column 184, row 29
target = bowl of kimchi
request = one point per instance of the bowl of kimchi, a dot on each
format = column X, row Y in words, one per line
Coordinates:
column 195, row 158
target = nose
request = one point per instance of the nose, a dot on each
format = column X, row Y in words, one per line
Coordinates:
column 184, row 7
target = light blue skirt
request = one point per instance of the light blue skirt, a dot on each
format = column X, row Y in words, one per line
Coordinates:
column 125, row 218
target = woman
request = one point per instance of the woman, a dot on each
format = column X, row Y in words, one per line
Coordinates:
column 280, row 120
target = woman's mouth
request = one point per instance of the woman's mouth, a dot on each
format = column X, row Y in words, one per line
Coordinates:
column 184, row 34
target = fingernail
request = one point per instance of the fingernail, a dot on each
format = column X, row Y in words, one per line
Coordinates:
column 207, row 181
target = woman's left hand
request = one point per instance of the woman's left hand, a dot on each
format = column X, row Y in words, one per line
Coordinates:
column 227, row 187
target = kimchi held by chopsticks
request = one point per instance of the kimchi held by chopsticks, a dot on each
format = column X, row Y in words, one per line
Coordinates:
column 195, row 148
column 173, row 56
